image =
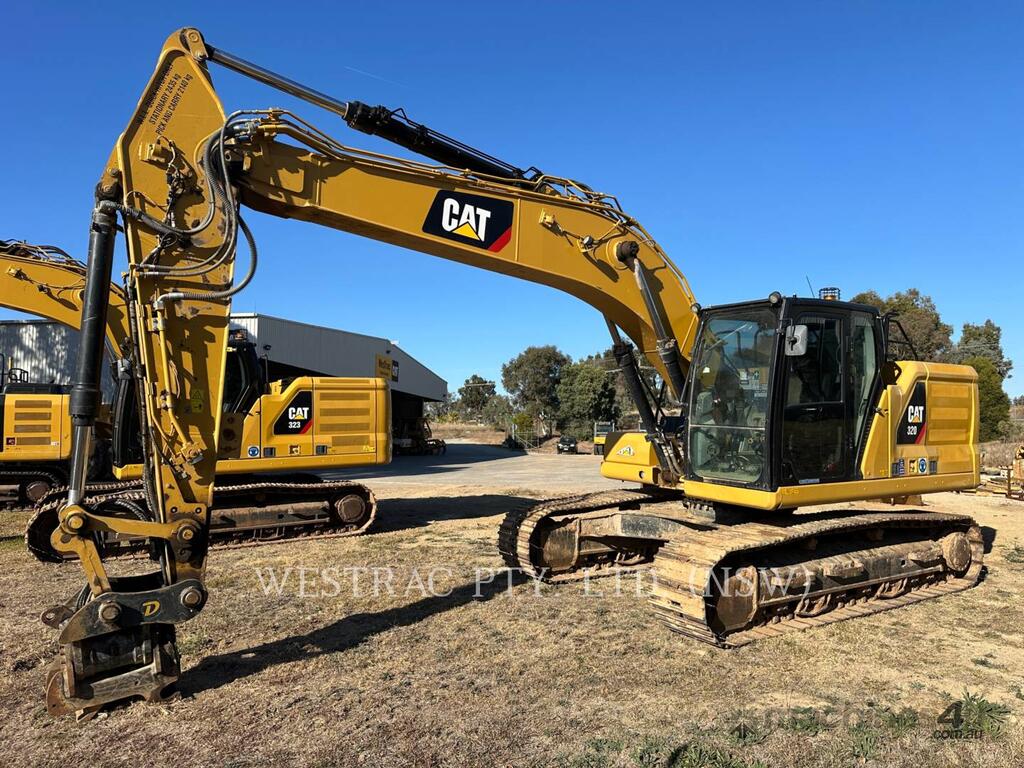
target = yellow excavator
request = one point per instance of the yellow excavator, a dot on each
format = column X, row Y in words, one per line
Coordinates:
column 766, row 406
column 35, row 430
column 272, row 434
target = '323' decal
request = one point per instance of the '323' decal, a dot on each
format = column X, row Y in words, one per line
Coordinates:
column 297, row 418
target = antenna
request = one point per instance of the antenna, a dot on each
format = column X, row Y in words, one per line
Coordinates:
column 811, row 287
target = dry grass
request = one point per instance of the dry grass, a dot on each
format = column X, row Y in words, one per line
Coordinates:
column 482, row 434
column 998, row 453
column 559, row 678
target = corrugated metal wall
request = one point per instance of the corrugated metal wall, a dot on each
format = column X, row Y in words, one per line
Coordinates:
column 47, row 351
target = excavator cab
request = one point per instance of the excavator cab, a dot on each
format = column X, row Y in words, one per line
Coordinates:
column 245, row 379
column 781, row 392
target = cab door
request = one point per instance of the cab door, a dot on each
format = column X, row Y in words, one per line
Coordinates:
column 827, row 393
column 815, row 435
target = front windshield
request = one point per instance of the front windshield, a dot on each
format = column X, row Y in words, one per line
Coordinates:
column 729, row 403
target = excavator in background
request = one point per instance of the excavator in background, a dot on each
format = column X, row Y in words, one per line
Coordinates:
column 35, row 430
column 766, row 406
column 274, row 435
column 601, row 431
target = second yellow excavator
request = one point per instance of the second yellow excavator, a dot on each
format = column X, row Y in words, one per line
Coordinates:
column 274, row 435
column 776, row 403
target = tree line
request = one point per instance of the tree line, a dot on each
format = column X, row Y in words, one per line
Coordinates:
column 548, row 391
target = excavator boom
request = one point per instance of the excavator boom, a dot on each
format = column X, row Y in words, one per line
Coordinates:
column 44, row 280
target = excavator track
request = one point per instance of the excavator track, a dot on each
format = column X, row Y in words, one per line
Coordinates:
column 790, row 589
column 518, row 534
column 243, row 514
column 26, row 484
column 803, row 570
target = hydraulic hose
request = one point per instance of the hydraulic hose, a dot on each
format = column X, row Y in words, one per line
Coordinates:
column 226, row 293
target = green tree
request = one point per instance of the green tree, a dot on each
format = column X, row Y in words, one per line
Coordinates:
column 931, row 337
column 586, row 393
column 498, row 411
column 993, row 402
column 474, row 395
column 984, row 340
column 525, row 426
column 623, row 400
column 531, row 380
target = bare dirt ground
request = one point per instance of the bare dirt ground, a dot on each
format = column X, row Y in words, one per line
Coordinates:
column 323, row 669
column 479, row 434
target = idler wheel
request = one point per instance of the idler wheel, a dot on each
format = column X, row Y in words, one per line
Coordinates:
column 350, row 508
column 956, row 550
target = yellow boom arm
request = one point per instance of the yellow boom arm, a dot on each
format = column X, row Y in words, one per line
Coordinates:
column 180, row 170
column 549, row 231
column 45, row 281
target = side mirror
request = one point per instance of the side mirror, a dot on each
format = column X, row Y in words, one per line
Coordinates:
column 796, row 340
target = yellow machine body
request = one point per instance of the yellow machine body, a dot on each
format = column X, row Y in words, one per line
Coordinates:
column 35, row 428
column 311, row 424
column 945, row 457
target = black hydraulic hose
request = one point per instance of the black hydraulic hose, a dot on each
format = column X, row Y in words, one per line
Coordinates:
column 227, row 292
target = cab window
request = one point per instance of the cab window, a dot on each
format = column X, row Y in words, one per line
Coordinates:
column 729, row 399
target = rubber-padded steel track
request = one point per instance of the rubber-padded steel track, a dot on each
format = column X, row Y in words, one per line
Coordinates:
column 20, row 476
column 683, row 597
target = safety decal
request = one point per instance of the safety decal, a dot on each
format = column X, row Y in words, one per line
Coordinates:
column 470, row 219
column 918, row 466
column 253, row 451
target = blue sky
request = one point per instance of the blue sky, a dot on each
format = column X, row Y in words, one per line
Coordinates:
column 859, row 144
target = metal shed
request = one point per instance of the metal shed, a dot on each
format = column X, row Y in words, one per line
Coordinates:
column 288, row 344
column 47, row 350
